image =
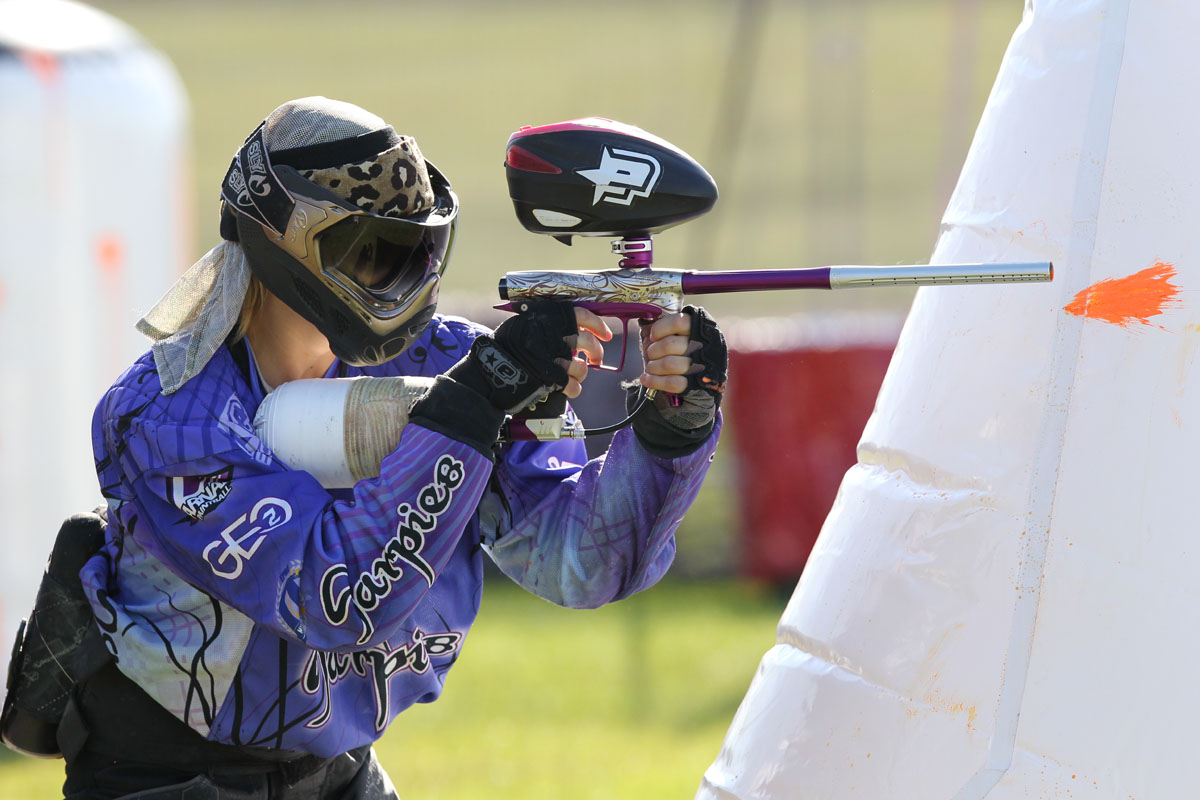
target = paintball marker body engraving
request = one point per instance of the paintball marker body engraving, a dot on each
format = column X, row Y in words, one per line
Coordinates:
column 625, row 293
column 647, row 293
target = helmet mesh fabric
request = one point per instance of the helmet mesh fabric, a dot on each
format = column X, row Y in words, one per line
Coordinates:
column 316, row 120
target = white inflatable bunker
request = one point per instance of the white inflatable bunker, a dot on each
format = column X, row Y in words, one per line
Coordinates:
column 93, row 228
column 1003, row 601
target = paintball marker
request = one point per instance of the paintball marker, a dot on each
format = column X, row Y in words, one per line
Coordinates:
column 598, row 177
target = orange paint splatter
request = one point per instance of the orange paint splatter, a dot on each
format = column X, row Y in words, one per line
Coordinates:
column 110, row 254
column 44, row 65
column 1134, row 298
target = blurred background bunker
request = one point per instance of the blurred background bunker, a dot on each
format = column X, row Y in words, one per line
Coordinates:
column 95, row 220
column 801, row 390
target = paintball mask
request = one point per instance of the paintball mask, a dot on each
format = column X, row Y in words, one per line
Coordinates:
column 343, row 220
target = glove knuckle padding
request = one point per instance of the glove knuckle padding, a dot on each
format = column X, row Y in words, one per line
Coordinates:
column 517, row 366
column 537, row 336
column 712, row 354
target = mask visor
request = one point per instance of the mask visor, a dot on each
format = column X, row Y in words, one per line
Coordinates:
column 384, row 260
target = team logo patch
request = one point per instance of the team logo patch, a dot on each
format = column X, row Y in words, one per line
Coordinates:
column 623, row 175
column 235, row 420
column 500, row 370
column 244, row 536
column 378, row 663
column 291, row 604
column 196, row 495
column 343, row 593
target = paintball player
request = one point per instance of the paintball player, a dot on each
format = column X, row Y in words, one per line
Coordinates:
column 265, row 630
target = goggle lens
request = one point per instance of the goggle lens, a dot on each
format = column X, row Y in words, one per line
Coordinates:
column 386, row 258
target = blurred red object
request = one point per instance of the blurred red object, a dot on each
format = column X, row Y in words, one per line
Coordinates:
column 800, row 392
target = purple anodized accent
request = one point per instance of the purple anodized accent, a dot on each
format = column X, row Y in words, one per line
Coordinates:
column 754, row 280
column 637, row 252
column 518, row 431
column 622, row 310
column 602, row 309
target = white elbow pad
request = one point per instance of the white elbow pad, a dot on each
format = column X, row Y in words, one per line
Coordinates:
column 337, row 429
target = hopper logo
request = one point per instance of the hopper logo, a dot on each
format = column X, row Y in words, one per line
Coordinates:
column 622, row 176
column 196, row 495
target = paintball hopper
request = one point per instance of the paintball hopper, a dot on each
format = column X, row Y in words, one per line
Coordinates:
column 597, row 177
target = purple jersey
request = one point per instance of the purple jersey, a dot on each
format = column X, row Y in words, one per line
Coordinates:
column 262, row 609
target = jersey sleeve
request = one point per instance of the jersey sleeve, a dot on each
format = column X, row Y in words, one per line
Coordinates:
column 584, row 534
column 211, row 502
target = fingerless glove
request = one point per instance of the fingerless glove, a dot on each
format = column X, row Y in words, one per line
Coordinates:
column 676, row 425
column 512, row 369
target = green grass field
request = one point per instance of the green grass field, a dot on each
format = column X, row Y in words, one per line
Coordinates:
column 628, row 701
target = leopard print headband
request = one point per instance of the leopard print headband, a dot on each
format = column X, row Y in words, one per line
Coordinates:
column 394, row 183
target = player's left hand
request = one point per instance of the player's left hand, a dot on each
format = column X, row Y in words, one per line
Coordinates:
column 683, row 351
column 687, row 362
column 666, row 353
